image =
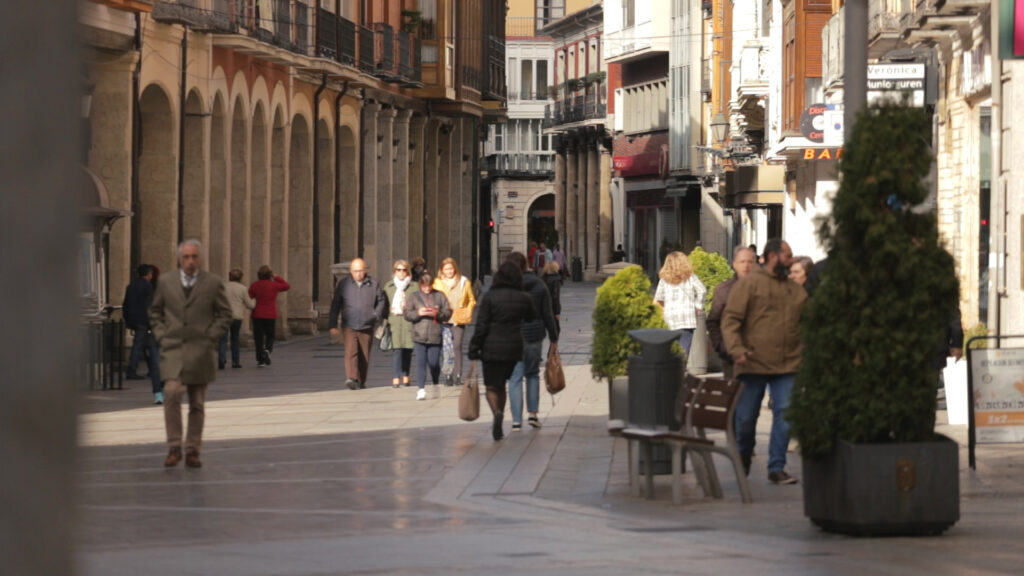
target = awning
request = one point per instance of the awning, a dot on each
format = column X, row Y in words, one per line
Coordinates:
column 755, row 185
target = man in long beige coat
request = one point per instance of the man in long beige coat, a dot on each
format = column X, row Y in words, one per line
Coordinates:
column 189, row 315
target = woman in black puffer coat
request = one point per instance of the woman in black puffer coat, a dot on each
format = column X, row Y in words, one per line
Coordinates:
column 498, row 336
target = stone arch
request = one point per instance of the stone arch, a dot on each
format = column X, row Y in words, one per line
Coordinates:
column 325, row 195
column 158, row 211
column 299, row 227
column 278, row 191
column 239, row 185
column 347, row 213
column 218, row 223
column 260, row 203
column 540, row 219
column 196, row 224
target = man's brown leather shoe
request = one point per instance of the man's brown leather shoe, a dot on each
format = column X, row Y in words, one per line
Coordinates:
column 192, row 459
column 173, row 457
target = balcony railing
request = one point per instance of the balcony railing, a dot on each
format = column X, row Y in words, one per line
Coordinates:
column 384, row 51
column 494, row 84
column 326, row 34
column 187, row 14
column 366, row 61
column 522, row 26
column 572, row 109
column 524, row 95
column 471, row 77
column 521, row 164
column 346, row 41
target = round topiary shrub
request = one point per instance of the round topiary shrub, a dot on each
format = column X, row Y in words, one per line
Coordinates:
column 624, row 303
column 712, row 269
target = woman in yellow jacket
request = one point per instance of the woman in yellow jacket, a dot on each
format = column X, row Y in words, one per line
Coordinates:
column 459, row 291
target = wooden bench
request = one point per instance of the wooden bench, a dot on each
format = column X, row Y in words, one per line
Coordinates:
column 702, row 405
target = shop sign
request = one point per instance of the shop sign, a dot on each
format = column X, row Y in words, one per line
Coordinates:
column 644, row 164
column 821, row 122
column 822, row 153
column 896, row 81
column 998, row 394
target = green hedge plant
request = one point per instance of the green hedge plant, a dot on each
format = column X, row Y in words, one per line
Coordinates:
column 712, row 269
column 873, row 328
column 624, row 303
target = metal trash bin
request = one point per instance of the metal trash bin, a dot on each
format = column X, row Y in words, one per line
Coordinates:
column 577, row 269
column 654, row 378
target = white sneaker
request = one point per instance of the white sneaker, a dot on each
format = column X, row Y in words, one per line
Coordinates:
column 421, row 394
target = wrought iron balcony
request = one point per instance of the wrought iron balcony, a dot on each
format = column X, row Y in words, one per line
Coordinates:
column 185, row 13
column 494, row 87
column 520, row 165
column 366, row 61
column 384, row 52
column 575, row 109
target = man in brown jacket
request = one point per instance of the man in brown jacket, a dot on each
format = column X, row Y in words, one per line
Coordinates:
column 743, row 261
column 761, row 328
column 190, row 313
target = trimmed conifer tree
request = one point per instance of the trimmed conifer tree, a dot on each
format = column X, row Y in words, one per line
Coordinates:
column 875, row 325
column 624, row 303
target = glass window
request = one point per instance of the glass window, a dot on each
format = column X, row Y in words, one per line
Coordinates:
column 628, row 12
column 499, row 137
column 428, row 14
column 524, row 136
column 542, row 79
column 526, row 79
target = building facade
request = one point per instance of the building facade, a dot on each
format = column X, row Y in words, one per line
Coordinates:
column 292, row 133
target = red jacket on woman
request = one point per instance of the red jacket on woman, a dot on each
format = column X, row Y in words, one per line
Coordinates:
column 265, row 292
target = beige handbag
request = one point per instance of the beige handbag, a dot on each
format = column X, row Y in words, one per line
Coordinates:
column 469, row 396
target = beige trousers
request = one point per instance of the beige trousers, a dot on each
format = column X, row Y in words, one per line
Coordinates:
column 173, row 392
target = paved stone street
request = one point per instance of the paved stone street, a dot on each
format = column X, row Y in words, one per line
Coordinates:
column 304, row 477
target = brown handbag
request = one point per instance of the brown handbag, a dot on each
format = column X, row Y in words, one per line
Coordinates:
column 469, row 396
column 554, row 377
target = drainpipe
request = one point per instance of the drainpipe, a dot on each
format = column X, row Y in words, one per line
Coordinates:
column 316, row 190
column 181, row 135
column 423, row 195
column 997, row 234
column 135, row 251
column 360, row 214
column 337, row 172
column 475, row 234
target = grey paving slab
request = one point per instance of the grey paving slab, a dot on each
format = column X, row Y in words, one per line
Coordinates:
column 304, row 477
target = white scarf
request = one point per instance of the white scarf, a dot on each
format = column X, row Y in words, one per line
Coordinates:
column 398, row 302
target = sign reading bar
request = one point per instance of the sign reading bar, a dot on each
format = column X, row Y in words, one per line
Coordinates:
column 822, row 153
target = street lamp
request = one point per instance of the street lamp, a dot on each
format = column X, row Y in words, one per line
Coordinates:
column 719, row 127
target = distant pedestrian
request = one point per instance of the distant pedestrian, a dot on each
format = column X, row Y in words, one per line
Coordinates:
column 552, row 277
column 138, row 296
column 360, row 302
column 743, row 261
column 238, row 297
column 498, row 336
column 761, row 329
column 619, row 255
column 190, row 312
column 427, row 310
column 264, row 315
column 459, row 291
column 419, row 266
column 541, row 257
column 559, row 257
column 531, row 251
column 527, row 370
column 680, row 294
column 397, row 291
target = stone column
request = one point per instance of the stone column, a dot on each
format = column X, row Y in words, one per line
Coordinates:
column 438, row 205
column 417, row 186
column 368, row 195
column 432, row 183
column 560, row 196
column 593, row 205
column 400, row 190
column 582, row 158
column 571, row 164
column 464, row 224
column 385, row 178
column 605, row 237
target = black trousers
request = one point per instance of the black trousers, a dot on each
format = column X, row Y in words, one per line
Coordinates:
column 263, row 334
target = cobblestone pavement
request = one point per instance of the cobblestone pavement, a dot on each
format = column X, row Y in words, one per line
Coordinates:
column 304, row 477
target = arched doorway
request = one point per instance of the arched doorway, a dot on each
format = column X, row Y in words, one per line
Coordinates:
column 540, row 221
column 194, row 188
column 218, row 189
column 158, row 209
column 260, row 181
column 300, row 228
column 239, row 185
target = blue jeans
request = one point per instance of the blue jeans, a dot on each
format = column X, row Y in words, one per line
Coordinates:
column 528, row 367
column 748, row 408
column 222, row 353
column 427, row 355
column 686, row 339
column 401, row 361
column 144, row 345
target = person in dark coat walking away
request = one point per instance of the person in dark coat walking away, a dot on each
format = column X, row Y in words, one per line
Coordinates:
column 190, row 313
column 360, row 302
column 397, row 291
column 428, row 310
column 498, row 336
column 137, row 298
column 264, row 315
column 528, row 368
column 552, row 277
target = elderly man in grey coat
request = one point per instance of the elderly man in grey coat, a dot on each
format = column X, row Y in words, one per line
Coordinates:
column 189, row 315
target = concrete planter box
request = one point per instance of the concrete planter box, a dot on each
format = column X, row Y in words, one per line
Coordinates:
column 909, row 489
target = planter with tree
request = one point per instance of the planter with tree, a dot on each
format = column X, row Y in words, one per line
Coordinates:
column 864, row 403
